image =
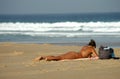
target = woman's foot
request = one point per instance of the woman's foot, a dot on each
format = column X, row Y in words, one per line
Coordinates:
column 38, row 58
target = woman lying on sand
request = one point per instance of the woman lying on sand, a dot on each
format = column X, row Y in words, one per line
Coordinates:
column 86, row 52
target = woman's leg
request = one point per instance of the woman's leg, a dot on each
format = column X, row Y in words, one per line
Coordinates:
column 70, row 55
column 52, row 58
column 48, row 58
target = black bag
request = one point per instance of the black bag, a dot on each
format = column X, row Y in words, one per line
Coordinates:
column 105, row 52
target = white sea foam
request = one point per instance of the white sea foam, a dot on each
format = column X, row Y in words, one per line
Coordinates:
column 69, row 29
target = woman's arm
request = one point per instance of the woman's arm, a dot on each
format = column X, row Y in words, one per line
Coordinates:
column 94, row 54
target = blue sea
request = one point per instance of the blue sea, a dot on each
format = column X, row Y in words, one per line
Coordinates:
column 68, row 29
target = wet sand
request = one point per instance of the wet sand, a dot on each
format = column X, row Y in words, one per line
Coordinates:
column 16, row 62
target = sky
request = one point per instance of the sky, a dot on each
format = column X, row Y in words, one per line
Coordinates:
column 58, row 6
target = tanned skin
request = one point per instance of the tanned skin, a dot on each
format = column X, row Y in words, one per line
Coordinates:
column 86, row 52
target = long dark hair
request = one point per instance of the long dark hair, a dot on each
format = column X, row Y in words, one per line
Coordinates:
column 92, row 43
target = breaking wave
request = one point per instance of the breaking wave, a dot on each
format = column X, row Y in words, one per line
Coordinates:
column 58, row 29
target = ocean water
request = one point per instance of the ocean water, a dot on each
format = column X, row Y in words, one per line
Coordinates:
column 61, row 28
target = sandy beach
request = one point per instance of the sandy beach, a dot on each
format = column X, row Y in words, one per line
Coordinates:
column 16, row 62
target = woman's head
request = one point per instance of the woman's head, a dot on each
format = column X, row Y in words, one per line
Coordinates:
column 92, row 43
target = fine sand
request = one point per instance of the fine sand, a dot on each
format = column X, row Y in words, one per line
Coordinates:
column 16, row 63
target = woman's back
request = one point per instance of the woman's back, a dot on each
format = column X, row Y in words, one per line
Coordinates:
column 86, row 51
